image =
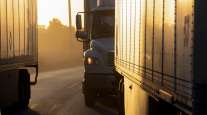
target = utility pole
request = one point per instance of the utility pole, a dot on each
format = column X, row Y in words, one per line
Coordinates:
column 69, row 13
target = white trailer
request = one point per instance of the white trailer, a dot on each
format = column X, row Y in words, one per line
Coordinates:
column 18, row 51
column 159, row 52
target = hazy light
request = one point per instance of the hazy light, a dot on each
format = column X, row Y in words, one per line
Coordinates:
column 77, row 6
column 49, row 9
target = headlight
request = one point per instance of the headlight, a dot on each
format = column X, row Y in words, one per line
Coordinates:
column 91, row 61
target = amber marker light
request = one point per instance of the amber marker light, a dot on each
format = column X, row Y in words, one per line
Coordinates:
column 90, row 60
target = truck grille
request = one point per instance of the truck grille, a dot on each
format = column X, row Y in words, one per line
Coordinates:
column 111, row 58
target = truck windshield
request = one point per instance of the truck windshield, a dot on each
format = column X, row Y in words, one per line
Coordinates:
column 103, row 25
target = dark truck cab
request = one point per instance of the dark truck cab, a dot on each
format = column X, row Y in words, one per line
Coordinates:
column 99, row 78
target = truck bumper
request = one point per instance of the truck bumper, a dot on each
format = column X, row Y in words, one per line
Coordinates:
column 101, row 83
column 99, row 70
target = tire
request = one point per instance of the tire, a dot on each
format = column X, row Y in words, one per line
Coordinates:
column 23, row 93
column 89, row 99
column 24, row 89
column 7, row 111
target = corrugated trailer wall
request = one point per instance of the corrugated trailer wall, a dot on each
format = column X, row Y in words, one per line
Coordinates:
column 18, row 34
column 154, row 46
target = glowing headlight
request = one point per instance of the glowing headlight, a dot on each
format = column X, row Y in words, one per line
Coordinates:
column 91, row 60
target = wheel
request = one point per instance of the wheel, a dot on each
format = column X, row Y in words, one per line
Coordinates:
column 7, row 111
column 23, row 94
column 24, row 89
column 89, row 99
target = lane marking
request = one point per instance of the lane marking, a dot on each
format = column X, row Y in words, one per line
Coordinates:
column 33, row 106
column 55, row 106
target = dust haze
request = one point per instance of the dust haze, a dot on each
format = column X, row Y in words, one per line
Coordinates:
column 58, row 48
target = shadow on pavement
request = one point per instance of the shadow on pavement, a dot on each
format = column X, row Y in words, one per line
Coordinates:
column 103, row 106
column 27, row 112
column 107, row 105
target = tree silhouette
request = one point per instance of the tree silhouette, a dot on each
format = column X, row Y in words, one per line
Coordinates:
column 58, row 47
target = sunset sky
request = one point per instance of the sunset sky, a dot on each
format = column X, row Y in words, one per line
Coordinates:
column 49, row 9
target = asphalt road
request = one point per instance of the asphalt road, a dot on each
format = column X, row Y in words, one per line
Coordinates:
column 59, row 93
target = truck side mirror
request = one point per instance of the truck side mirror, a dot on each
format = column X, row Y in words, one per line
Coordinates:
column 78, row 22
column 82, row 36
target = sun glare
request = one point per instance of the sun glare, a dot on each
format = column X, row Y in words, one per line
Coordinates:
column 49, row 9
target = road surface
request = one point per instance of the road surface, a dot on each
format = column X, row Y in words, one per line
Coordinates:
column 59, row 93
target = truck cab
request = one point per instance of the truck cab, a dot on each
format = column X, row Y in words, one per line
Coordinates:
column 98, row 58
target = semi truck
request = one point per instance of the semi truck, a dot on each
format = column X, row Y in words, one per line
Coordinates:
column 98, row 45
column 18, row 53
column 160, row 55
